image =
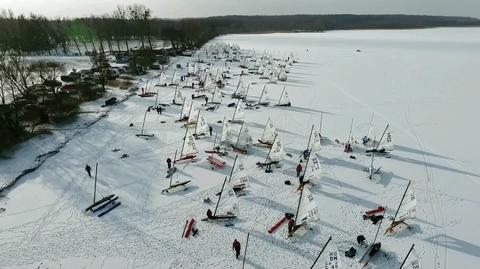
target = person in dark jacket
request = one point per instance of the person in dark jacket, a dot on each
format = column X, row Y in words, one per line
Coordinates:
column 210, row 129
column 299, row 169
column 209, row 214
column 169, row 163
column 236, row 247
column 89, row 170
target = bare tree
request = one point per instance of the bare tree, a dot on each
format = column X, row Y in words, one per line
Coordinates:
column 49, row 72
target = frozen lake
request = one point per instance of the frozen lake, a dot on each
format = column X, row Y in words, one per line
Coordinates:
column 424, row 83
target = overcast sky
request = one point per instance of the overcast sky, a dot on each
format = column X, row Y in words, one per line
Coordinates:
column 203, row 8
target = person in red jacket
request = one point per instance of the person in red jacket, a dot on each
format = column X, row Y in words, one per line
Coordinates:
column 236, row 247
column 299, row 169
column 291, row 224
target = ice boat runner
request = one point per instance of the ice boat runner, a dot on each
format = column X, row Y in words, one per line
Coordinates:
column 284, row 100
column 244, row 140
column 230, row 208
column 239, row 113
column 189, row 148
column 268, row 134
column 406, row 210
column 307, row 211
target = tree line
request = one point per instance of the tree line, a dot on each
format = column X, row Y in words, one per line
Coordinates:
column 36, row 33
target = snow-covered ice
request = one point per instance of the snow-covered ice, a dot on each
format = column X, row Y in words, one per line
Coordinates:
column 424, row 83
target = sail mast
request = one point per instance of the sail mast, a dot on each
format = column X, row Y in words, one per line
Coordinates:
column 233, row 167
column 184, row 139
column 220, row 196
column 321, row 123
column 175, row 95
column 321, row 251
column 406, row 257
column 298, row 208
column 281, row 95
column 246, row 92
column 381, row 138
column 235, row 111
column 260, row 100
column 183, row 107
column 350, row 133
column 238, row 138
column 238, row 85
column 310, row 138
column 270, row 151
column 196, row 125
column 401, row 201
column 174, row 161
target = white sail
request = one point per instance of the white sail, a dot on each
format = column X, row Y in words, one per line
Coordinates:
column 264, row 97
column 408, row 207
column 239, row 111
column 282, row 76
column 308, row 209
column 192, row 118
column 189, row 145
column 229, row 200
column 315, row 141
column 185, row 109
column 331, row 258
column 268, row 133
column 227, row 133
column 241, row 90
column 244, row 138
column 202, row 126
column 178, row 98
column 240, row 176
column 276, row 152
column 314, row 168
column 413, row 261
column 175, row 78
column 190, row 69
column 216, row 96
column 387, row 143
column 284, row 99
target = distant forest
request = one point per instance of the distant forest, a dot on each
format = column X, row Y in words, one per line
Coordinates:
column 36, row 33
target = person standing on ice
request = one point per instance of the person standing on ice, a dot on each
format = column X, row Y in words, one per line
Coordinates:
column 206, row 100
column 88, row 169
column 236, row 247
column 299, row 169
column 291, row 224
column 169, row 163
column 209, row 214
column 210, row 129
